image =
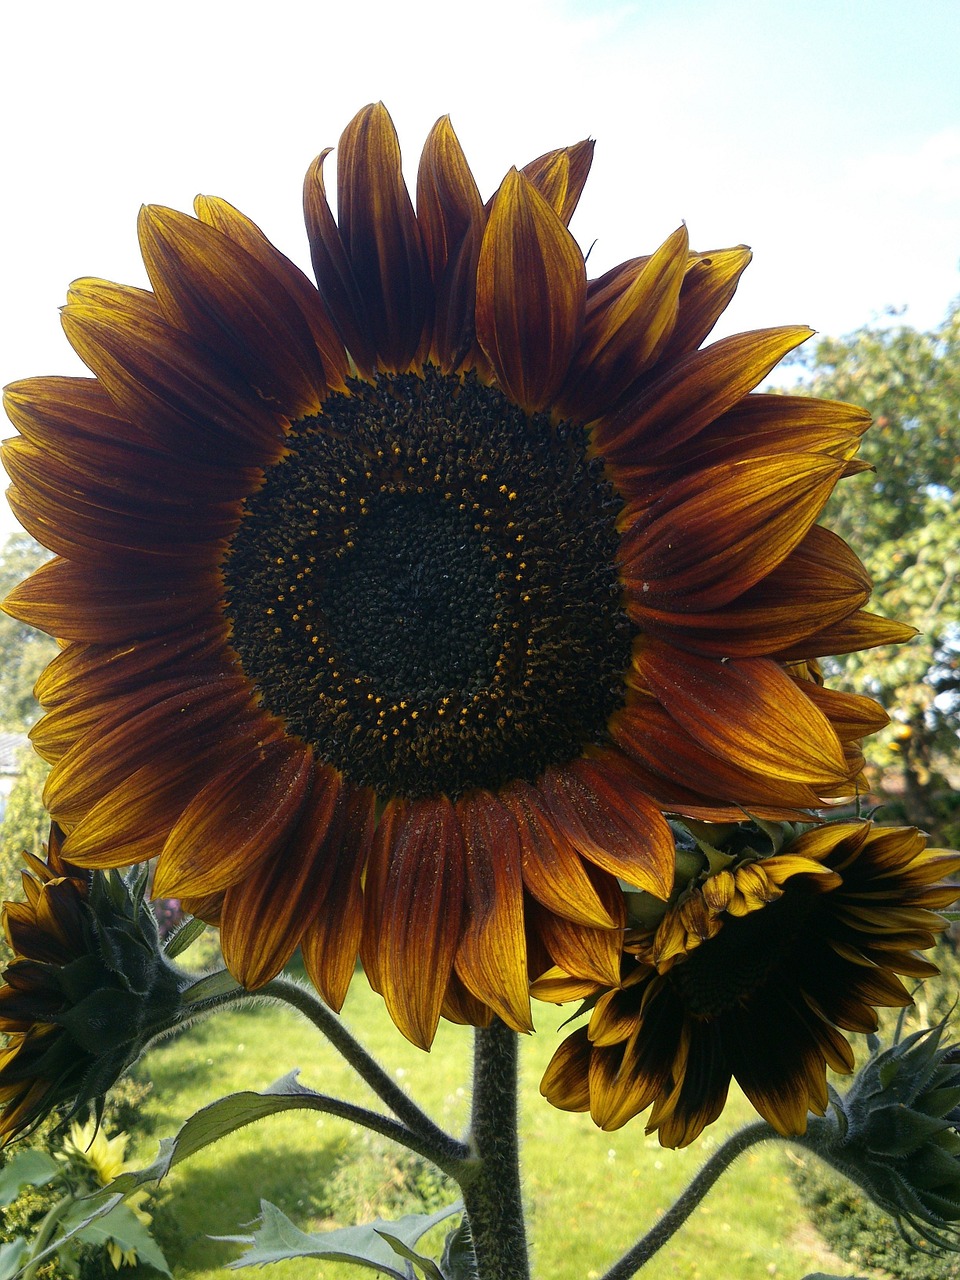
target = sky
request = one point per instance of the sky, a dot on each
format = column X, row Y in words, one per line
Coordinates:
column 826, row 135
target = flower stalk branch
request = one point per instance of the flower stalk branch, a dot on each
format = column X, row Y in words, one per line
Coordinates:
column 422, row 1134
column 690, row 1199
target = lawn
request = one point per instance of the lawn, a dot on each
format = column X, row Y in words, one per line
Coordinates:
column 589, row 1193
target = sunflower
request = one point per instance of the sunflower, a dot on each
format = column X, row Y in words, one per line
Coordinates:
column 397, row 610
column 85, row 993
column 753, row 973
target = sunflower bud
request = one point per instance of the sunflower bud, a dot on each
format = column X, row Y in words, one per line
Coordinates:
column 88, row 989
column 898, row 1134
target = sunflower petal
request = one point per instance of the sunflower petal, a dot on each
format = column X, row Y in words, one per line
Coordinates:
column 531, row 291
column 561, row 175
column 697, row 389
column 381, row 236
column 737, row 710
column 210, row 287
column 244, row 232
column 422, row 913
column 492, row 957
column 236, row 823
column 266, row 913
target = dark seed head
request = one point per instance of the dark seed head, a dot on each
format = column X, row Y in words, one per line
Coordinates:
column 425, row 588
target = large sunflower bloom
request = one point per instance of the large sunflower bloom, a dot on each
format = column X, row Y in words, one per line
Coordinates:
column 396, row 611
column 753, row 974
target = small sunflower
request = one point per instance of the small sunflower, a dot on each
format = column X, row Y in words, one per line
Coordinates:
column 396, row 611
column 87, row 989
column 753, row 973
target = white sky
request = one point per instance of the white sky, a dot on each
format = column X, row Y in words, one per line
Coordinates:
column 824, row 134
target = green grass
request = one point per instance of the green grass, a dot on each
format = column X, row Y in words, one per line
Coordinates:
column 590, row 1194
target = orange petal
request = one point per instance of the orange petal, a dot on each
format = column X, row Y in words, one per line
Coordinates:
column 584, row 952
column 821, row 580
column 531, row 291
column 213, row 289
column 693, row 392
column 859, row 631
column 238, row 821
column 331, row 265
column 553, row 872
column 560, row 176
column 381, row 237
column 710, row 282
column 265, row 915
column 492, row 958
column 290, row 279
column 422, row 911
column 182, row 395
column 331, row 941
column 623, row 339
column 452, row 219
column 714, row 535
column 747, row 711
column 601, row 809
column 75, row 602
column 565, row 1081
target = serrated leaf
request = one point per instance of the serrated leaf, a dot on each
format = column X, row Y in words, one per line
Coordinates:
column 13, row 1255
column 123, row 1226
column 366, row 1245
column 204, row 1127
column 215, row 1121
column 32, row 1168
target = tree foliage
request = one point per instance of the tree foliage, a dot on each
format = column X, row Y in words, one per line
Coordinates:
column 903, row 519
column 24, row 652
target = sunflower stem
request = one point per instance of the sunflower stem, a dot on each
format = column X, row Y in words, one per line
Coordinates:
column 688, row 1200
column 492, row 1198
column 445, row 1151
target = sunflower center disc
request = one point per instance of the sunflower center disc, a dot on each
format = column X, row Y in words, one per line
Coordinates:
column 425, row 588
column 747, row 952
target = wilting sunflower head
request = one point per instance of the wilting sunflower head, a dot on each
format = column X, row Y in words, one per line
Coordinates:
column 397, row 608
column 778, row 945
column 86, row 992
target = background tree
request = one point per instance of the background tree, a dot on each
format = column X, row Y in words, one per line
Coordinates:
column 24, row 652
column 903, row 518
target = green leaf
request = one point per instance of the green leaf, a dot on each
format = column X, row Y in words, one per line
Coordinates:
column 423, row 1264
column 13, row 1255
column 215, row 1121
column 375, row 1245
column 31, row 1167
column 203, row 1128
column 122, row 1225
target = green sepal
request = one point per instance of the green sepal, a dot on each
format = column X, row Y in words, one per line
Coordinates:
column 459, row 1258
column 182, row 937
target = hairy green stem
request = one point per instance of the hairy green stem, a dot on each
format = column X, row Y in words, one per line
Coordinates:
column 492, row 1196
column 45, row 1234
column 445, row 1151
column 684, row 1205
